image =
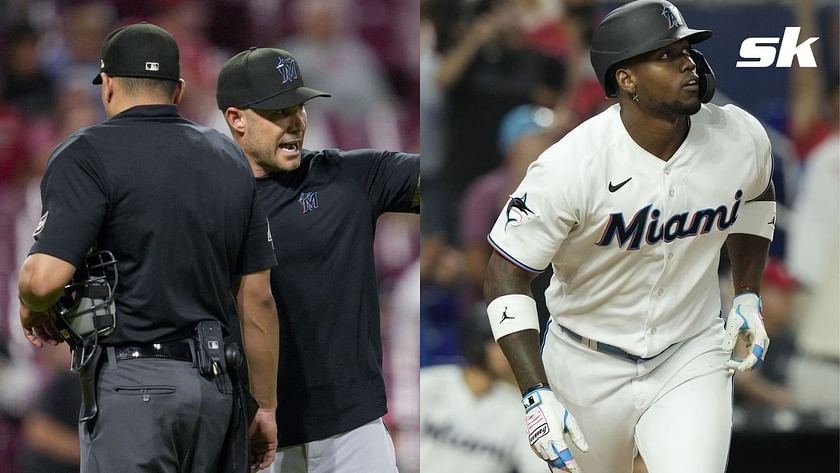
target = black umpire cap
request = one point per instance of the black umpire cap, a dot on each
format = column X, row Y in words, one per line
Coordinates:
column 263, row 79
column 140, row 50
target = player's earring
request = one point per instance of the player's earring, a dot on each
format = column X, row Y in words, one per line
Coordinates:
column 635, row 97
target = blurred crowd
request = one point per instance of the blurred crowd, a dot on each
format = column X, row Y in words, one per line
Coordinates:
column 364, row 52
column 501, row 80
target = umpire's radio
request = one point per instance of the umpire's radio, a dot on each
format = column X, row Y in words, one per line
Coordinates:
column 210, row 347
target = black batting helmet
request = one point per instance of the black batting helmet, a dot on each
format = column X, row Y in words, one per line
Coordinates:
column 640, row 27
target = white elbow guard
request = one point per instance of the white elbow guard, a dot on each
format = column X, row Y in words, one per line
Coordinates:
column 512, row 313
column 757, row 218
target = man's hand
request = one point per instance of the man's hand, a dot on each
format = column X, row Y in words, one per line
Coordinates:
column 745, row 322
column 547, row 421
column 263, row 439
column 38, row 327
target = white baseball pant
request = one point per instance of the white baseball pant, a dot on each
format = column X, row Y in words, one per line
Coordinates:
column 676, row 407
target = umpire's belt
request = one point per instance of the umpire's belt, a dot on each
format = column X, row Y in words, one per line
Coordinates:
column 180, row 350
column 603, row 347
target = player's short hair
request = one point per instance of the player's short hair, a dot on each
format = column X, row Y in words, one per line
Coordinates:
column 134, row 86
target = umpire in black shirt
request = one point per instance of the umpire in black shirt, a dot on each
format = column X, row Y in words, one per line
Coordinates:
column 325, row 205
column 175, row 203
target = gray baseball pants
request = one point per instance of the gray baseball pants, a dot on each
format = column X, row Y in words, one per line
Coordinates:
column 156, row 416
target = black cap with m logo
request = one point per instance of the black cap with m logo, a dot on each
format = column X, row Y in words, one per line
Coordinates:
column 263, row 79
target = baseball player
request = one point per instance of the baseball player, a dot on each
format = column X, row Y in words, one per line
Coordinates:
column 631, row 210
column 461, row 401
column 174, row 204
column 323, row 207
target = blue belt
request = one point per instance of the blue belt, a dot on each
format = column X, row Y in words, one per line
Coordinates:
column 603, row 347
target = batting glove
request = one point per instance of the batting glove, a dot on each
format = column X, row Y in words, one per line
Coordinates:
column 547, row 422
column 745, row 322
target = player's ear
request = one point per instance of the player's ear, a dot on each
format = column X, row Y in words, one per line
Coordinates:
column 625, row 80
column 235, row 119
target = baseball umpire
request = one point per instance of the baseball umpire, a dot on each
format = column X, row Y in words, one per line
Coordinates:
column 631, row 210
column 325, row 205
column 169, row 208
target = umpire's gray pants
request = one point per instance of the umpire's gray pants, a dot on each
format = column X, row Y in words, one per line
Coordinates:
column 156, row 415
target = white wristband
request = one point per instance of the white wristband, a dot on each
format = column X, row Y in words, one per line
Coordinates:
column 512, row 313
column 757, row 218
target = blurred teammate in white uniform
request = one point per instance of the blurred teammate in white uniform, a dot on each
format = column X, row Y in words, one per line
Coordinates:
column 470, row 420
column 631, row 210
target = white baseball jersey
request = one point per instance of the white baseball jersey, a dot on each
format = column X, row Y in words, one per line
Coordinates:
column 634, row 241
column 464, row 433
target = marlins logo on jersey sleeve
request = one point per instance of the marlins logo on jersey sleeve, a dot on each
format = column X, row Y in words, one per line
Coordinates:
column 538, row 215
